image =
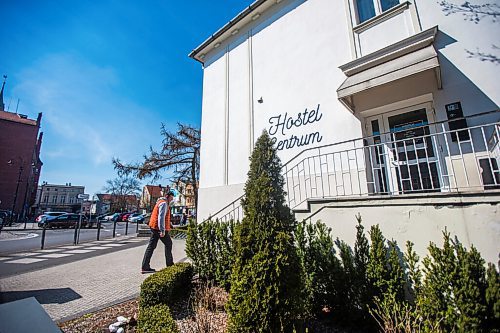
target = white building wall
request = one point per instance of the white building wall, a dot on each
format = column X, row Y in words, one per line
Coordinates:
column 290, row 63
column 473, row 220
column 213, row 127
column 288, row 59
column 465, row 77
column 239, row 112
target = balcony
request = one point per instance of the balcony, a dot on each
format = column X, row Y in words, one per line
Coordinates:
column 419, row 160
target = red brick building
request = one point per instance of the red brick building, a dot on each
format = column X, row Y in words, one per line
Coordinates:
column 20, row 163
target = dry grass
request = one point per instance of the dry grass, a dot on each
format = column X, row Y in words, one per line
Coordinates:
column 202, row 312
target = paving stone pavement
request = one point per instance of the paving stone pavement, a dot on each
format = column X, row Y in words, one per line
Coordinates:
column 72, row 289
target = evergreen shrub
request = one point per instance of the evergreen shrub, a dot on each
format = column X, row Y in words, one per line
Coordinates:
column 317, row 254
column 451, row 292
column 266, row 293
column 166, row 286
column 156, row 318
column 209, row 245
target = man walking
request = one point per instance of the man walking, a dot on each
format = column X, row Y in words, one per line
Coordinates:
column 159, row 223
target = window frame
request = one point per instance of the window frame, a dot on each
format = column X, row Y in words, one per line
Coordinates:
column 377, row 6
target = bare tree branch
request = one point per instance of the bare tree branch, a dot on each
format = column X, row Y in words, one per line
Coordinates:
column 179, row 152
column 122, row 189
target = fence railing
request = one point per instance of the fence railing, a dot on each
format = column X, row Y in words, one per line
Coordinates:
column 425, row 158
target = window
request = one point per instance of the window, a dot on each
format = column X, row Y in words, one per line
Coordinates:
column 367, row 9
column 45, row 198
column 388, row 4
column 54, row 199
column 63, row 199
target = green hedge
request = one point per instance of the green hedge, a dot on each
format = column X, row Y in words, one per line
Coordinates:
column 156, row 318
column 209, row 245
column 167, row 285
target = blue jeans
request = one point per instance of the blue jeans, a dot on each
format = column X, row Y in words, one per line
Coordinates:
column 153, row 241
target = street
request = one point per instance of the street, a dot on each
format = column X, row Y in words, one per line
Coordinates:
column 19, row 240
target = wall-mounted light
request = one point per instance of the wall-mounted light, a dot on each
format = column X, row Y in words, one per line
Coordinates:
column 216, row 45
column 256, row 16
column 202, row 56
column 235, row 31
column 260, row 100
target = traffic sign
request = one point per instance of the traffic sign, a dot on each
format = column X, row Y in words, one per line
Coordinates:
column 83, row 196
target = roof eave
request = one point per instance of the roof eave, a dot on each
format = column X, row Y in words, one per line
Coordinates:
column 246, row 12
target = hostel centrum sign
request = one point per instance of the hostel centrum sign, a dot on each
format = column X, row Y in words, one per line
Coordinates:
column 283, row 125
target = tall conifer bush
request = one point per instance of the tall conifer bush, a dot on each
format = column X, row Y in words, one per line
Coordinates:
column 266, row 280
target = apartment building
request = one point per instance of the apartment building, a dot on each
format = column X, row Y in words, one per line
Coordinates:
column 60, row 198
column 387, row 108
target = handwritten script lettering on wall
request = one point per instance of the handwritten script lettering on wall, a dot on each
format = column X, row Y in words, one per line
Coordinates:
column 283, row 125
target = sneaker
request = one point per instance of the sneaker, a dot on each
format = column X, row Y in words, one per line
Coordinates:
column 148, row 270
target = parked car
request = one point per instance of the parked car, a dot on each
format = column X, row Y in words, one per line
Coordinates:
column 48, row 216
column 66, row 221
column 124, row 217
column 136, row 218
column 111, row 217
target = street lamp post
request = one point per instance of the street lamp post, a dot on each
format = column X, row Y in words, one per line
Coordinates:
column 17, row 188
column 25, row 201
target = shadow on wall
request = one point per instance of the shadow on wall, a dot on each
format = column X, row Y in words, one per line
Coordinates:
column 475, row 13
column 277, row 12
column 43, row 296
column 458, row 87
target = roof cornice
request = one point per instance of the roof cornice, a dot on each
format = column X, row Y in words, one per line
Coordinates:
column 231, row 28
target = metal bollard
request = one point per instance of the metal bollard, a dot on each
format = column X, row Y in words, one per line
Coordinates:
column 98, row 228
column 126, row 228
column 78, row 234
column 43, row 237
column 114, row 228
column 137, row 227
column 74, row 237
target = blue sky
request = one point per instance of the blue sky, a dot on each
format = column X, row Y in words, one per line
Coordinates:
column 105, row 74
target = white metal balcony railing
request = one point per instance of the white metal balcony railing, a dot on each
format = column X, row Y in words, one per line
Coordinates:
column 424, row 159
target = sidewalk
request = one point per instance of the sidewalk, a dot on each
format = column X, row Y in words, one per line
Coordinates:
column 72, row 289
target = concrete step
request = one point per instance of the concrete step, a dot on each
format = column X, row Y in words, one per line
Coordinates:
column 144, row 231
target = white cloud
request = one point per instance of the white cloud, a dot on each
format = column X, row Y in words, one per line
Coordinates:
column 86, row 119
column 82, row 108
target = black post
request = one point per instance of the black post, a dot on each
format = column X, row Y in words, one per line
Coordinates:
column 74, row 237
column 43, row 237
column 137, row 227
column 15, row 195
column 78, row 234
column 126, row 227
column 114, row 228
column 98, row 228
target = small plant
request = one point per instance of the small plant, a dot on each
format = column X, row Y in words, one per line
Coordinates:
column 156, row 318
column 166, row 286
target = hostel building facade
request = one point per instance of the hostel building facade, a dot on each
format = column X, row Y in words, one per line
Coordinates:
column 387, row 108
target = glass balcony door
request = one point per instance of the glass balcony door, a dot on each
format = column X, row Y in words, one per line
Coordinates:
column 406, row 159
